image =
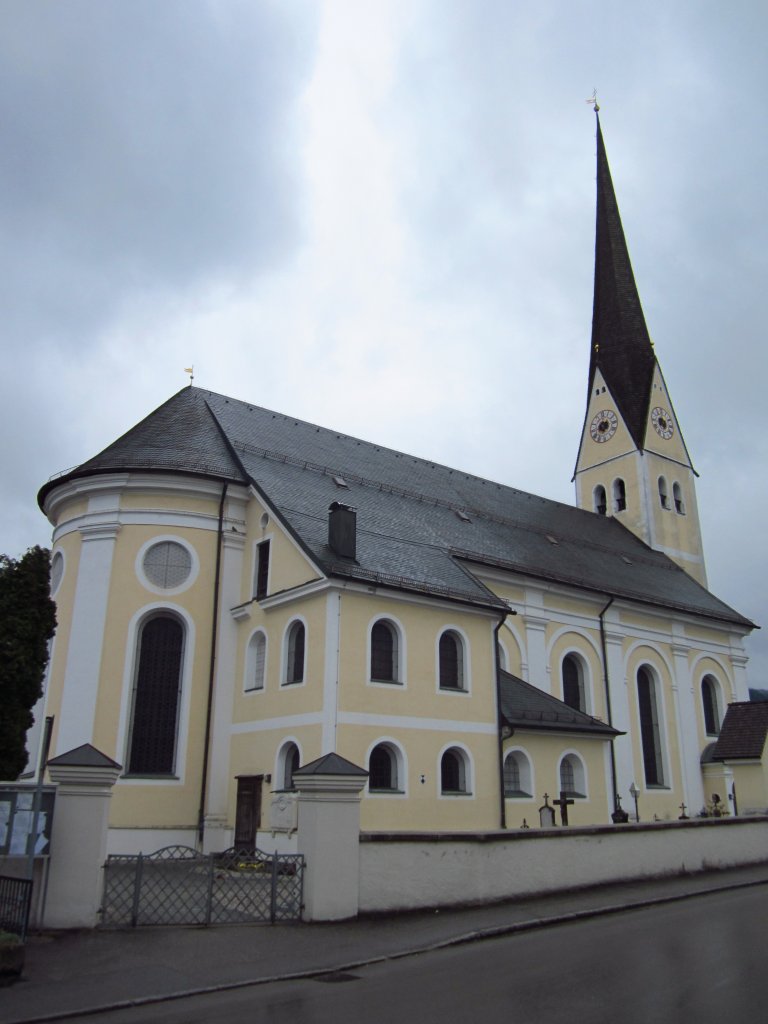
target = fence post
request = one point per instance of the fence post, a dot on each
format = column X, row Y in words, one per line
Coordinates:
column 137, row 890
column 84, row 779
column 273, row 896
column 329, row 836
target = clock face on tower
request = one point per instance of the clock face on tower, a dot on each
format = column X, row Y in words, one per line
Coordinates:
column 662, row 423
column 603, row 426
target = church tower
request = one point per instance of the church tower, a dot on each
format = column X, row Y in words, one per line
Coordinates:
column 632, row 463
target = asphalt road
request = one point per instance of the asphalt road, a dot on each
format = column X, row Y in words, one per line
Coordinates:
column 701, row 960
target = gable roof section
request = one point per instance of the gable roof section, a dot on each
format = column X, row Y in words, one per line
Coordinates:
column 409, row 533
column 743, row 732
column 524, row 706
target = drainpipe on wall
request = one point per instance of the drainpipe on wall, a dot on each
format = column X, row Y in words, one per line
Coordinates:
column 497, row 660
column 606, row 683
column 211, row 671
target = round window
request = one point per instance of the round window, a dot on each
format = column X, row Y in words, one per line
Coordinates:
column 167, row 564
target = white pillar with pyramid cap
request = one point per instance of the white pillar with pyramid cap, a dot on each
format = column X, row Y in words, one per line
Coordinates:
column 84, row 778
column 329, row 836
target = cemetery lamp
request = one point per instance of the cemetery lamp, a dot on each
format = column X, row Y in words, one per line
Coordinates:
column 635, row 793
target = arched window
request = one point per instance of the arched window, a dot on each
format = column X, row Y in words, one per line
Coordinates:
column 600, row 501
column 156, row 691
column 663, row 495
column 517, row 775
column 677, row 496
column 295, row 650
column 451, row 661
column 710, row 703
column 619, row 495
column 384, row 652
column 573, row 682
column 650, row 732
column 255, row 662
column 288, row 761
column 572, row 776
column 453, row 772
column 502, row 656
column 382, row 769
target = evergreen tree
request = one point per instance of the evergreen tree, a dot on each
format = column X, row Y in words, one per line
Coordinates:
column 27, row 623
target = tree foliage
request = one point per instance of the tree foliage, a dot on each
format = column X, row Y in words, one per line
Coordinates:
column 27, row 623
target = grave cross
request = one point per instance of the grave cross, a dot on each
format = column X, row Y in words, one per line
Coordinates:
column 563, row 803
column 683, row 816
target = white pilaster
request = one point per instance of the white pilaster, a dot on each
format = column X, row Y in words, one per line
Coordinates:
column 536, row 670
column 739, row 661
column 620, row 717
column 331, row 671
column 217, row 833
column 86, row 634
column 687, row 733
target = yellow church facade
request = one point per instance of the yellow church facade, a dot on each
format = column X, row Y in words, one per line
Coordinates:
column 240, row 592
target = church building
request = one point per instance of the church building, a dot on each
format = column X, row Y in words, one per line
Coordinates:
column 240, row 592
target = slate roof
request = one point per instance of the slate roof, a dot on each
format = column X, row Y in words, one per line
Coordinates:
column 524, row 706
column 409, row 533
column 743, row 731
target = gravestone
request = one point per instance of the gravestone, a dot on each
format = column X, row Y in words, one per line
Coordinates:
column 547, row 814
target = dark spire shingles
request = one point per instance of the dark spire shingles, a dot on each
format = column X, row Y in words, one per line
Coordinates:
column 621, row 345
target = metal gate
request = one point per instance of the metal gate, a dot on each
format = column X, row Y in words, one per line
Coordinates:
column 178, row 885
column 15, row 901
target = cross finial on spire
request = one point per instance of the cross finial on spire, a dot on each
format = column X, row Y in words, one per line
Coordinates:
column 592, row 101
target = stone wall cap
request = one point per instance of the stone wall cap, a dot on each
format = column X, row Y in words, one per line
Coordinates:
column 330, row 764
column 85, row 756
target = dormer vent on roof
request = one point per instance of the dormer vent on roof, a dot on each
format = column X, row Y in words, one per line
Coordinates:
column 342, row 530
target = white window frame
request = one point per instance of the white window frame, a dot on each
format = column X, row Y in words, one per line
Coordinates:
column 285, row 651
column 401, row 659
column 250, row 666
column 465, row 688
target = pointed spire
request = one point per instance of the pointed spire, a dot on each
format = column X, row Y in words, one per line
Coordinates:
column 621, row 346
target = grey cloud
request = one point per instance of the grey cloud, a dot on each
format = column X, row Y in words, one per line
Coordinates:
column 146, row 146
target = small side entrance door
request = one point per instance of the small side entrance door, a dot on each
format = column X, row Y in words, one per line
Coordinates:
column 248, row 812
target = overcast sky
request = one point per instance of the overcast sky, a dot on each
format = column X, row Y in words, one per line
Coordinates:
column 379, row 216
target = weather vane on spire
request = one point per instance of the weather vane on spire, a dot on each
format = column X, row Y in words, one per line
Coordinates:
column 191, row 371
column 592, row 101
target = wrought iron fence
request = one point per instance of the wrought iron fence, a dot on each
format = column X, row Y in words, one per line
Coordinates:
column 15, row 901
column 178, row 885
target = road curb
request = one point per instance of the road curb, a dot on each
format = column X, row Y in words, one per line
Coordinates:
column 464, row 938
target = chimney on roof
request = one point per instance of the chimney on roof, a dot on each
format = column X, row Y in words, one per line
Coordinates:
column 342, row 530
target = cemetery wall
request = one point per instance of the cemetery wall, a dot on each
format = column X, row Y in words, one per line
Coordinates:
column 405, row 871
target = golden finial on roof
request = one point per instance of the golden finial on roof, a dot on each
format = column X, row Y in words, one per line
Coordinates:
column 593, row 100
column 191, row 371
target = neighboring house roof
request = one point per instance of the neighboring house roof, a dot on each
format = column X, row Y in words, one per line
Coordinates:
column 524, row 706
column 420, row 525
column 743, row 732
